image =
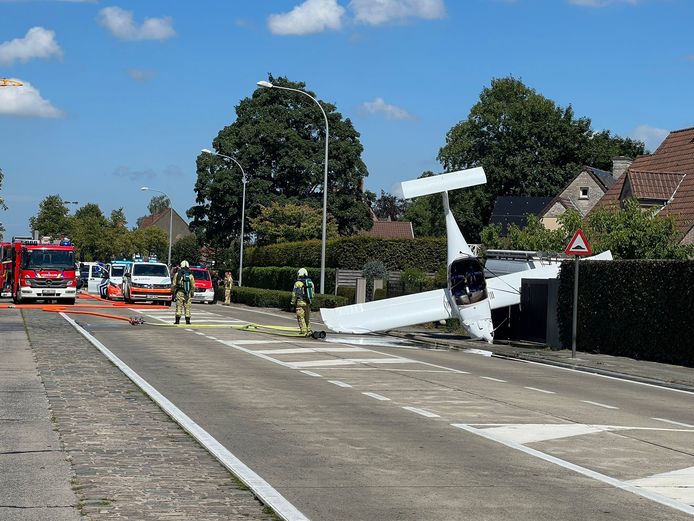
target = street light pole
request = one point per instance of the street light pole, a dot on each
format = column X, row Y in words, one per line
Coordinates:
column 268, row 85
column 147, row 188
column 244, row 180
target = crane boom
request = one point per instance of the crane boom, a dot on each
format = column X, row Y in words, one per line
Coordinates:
column 4, row 82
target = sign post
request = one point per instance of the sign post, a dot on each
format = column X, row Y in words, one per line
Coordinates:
column 578, row 246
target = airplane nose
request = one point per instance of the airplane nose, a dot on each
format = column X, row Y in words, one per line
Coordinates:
column 477, row 320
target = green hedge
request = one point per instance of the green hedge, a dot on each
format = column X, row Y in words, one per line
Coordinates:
column 636, row 308
column 426, row 253
column 283, row 278
column 268, row 298
column 348, row 293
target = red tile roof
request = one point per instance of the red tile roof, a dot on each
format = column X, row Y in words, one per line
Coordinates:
column 654, row 185
column 391, row 230
column 675, row 155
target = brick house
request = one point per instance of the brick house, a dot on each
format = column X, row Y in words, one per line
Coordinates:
column 390, row 230
column 161, row 220
column 664, row 179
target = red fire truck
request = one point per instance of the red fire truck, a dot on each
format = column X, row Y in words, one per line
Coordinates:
column 5, row 271
column 43, row 271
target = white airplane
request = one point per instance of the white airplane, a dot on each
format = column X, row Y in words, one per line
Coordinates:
column 469, row 297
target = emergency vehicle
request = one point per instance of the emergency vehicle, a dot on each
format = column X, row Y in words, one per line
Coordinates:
column 5, row 269
column 43, row 270
column 204, row 292
column 147, row 281
column 111, row 287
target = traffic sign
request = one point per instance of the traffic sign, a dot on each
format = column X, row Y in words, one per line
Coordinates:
column 578, row 245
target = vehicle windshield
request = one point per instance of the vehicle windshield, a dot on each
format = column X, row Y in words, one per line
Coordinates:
column 117, row 271
column 49, row 259
column 150, row 270
column 200, row 274
column 466, row 281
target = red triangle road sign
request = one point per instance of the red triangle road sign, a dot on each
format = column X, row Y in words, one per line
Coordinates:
column 578, row 245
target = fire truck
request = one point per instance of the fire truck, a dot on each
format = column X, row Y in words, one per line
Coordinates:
column 5, row 269
column 42, row 270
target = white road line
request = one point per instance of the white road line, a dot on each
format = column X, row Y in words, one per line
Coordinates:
column 422, row 412
column 540, row 390
column 580, row 470
column 598, row 404
column 199, row 333
column 273, row 341
column 309, row 350
column 349, row 361
column 493, row 379
column 339, row 383
column 186, row 329
column 258, row 485
column 311, row 373
column 377, row 396
column 211, row 337
column 673, row 422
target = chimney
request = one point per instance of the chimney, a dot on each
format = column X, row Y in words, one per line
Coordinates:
column 620, row 164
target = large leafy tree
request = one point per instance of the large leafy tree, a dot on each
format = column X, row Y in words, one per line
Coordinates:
column 52, row 218
column 2, row 203
column 279, row 139
column 157, row 204
column 290, row 222
column 389, row 206
column 92, row 233
column 186, row 248
column 528, row 146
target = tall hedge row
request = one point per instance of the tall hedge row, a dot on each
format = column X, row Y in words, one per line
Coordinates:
column 426, row 253
column 269, row 298
column 642, row 309
column 283, row 278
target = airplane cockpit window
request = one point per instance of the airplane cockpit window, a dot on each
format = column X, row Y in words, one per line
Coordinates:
column 466, row 281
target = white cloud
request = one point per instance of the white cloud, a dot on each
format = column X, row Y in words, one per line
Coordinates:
column 141, row 75
column 602, row 3
column 652, row 136
column 147, row 174
column 378, row 105
column 313, row 16
column 37, row 43
column 121, row 25
column 376, row 12
column 26, row 101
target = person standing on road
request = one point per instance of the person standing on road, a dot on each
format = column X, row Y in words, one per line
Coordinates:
column 183, row 288
column 302, row 296
column 228, row 284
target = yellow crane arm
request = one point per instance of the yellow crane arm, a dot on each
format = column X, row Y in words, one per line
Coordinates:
column 4, row 82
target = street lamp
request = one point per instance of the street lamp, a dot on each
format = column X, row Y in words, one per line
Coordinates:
column 244, row 180
column 147, row 188
column 268, row 85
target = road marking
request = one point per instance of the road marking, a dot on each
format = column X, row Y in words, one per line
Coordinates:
column 598, row 404
column 377, row 396
column 422, row 412
column 349, row 361
column 258, row 485
column 199, row 333
column 658, row 498
column 186, row 329
column 673, row 422
column 308, row 350
column 482, row 352
column 261, row 342
column 211, row 337
column 540, row 390
column 311, row 373
column 493, row 379
column 677, row 484
column 339, row 383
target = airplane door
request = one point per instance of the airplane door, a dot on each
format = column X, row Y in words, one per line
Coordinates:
column 94, row 279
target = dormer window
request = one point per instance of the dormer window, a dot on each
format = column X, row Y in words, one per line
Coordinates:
column 583, row 192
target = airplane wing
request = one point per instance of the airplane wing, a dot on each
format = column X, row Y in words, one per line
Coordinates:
column 391, row 313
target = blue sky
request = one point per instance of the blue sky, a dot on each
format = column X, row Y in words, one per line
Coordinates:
column 123, row 94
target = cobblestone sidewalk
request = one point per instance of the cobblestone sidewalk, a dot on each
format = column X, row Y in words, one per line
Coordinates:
column 130, row 460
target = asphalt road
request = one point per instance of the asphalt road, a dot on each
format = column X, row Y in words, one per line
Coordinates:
column 346, row 430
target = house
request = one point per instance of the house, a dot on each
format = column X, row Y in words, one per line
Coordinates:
column 390, row 230
column 510, row 210
column 584, row 191
column 161, row 220
column 664, row 179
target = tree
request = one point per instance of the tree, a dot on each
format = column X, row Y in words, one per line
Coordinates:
column 3, row 206
column 151, row 241
column 158, row 204
column 118, row 219
column 186, row 248
column 290, row 222
column 426, row 214
column 91, row 233
column 52, row 218
column 527, row 145
column 388, row 206
column 279, row 138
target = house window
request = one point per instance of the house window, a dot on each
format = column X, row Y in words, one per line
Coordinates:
column 583, row 192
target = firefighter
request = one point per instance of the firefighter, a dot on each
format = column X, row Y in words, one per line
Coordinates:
column 302, row 295
column 183, row 288
column 228, row 283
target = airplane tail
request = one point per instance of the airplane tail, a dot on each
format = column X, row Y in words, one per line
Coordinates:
column 457, row 244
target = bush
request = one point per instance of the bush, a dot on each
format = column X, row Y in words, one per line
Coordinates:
column 380, row 294
column 283, row 278
column 347, row 292
column 425, row 253
column 636, row 308
column 268, row 298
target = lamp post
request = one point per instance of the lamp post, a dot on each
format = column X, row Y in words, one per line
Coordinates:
column 147, row 188
column 268, row 85
column 244, row 180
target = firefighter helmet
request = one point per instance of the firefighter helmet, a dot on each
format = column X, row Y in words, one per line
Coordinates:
column 303, row 273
